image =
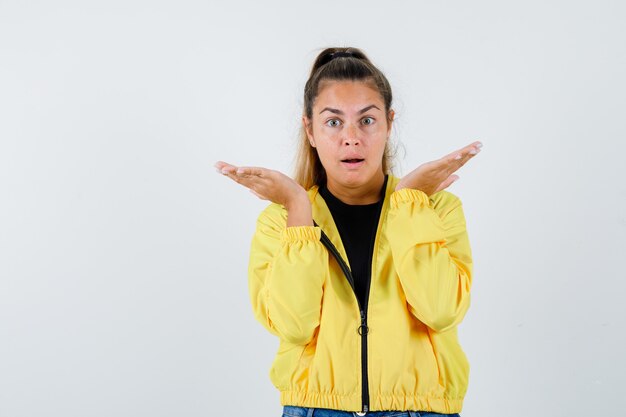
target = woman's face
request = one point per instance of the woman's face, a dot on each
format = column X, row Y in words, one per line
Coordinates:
column 349, row 129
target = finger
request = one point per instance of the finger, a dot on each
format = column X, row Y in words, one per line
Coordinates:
column 247, row 181
column 225, row 168
column 251, row 171
column 219, row 165
column 465, row 154
column 474, row 145
column 464, row 151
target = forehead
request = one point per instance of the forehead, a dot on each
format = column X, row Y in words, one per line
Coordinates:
column 347, row 94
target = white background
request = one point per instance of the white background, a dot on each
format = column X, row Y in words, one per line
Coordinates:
column 123, row 254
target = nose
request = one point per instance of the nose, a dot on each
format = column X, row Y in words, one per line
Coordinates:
column 351, row 135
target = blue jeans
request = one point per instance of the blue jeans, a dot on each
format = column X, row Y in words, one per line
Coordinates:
column 293, row 411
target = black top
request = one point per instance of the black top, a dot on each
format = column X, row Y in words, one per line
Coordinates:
column 357, row 226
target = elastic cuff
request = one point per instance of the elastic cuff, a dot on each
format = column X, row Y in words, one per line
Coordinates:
column 408, row 195
column 300, row 233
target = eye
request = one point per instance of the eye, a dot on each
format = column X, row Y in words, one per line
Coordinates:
column 331, row 121
column 371, row 120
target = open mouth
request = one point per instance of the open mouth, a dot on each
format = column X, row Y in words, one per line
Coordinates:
column 352, row 163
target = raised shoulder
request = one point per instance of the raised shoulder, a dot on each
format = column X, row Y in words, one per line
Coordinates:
column 443, row 202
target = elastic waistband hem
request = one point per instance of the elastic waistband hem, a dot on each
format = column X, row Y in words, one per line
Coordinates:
column 377, row 403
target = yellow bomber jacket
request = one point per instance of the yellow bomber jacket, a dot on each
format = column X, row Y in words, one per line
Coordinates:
column 402, row 353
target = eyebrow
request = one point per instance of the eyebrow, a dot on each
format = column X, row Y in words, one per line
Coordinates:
column 336, row 111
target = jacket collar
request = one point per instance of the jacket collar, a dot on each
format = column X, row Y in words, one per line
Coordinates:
column 324, row 218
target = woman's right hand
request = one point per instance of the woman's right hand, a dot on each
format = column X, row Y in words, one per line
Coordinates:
column 267, row 184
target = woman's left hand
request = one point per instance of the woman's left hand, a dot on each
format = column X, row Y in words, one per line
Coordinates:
column 434, row 176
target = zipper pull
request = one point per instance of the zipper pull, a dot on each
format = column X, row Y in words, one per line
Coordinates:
column 363, row 329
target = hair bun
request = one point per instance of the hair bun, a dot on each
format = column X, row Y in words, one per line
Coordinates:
column 338, row 54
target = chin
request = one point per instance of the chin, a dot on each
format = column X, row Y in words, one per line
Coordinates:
column 354, row 179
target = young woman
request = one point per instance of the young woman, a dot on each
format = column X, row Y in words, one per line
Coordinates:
column 362, row 275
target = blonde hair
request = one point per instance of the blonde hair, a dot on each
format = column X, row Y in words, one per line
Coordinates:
column 355, row 67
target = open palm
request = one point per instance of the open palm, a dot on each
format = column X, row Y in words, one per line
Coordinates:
column 436, row 175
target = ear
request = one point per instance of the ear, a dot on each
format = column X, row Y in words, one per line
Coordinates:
column 306, row 123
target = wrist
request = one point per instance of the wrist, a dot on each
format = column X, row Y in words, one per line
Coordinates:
column 401, row 186
column 299, row 212
column 298, row 202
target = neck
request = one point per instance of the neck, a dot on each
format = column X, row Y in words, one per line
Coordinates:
column 368, row 193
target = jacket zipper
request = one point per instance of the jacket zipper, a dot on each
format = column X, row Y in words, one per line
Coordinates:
column 363, row 329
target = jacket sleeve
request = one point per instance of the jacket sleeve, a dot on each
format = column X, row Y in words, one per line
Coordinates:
column 286, row 273
column 432, row 256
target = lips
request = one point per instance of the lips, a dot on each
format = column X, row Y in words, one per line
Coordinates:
column 352, row 158
column 353, row 162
